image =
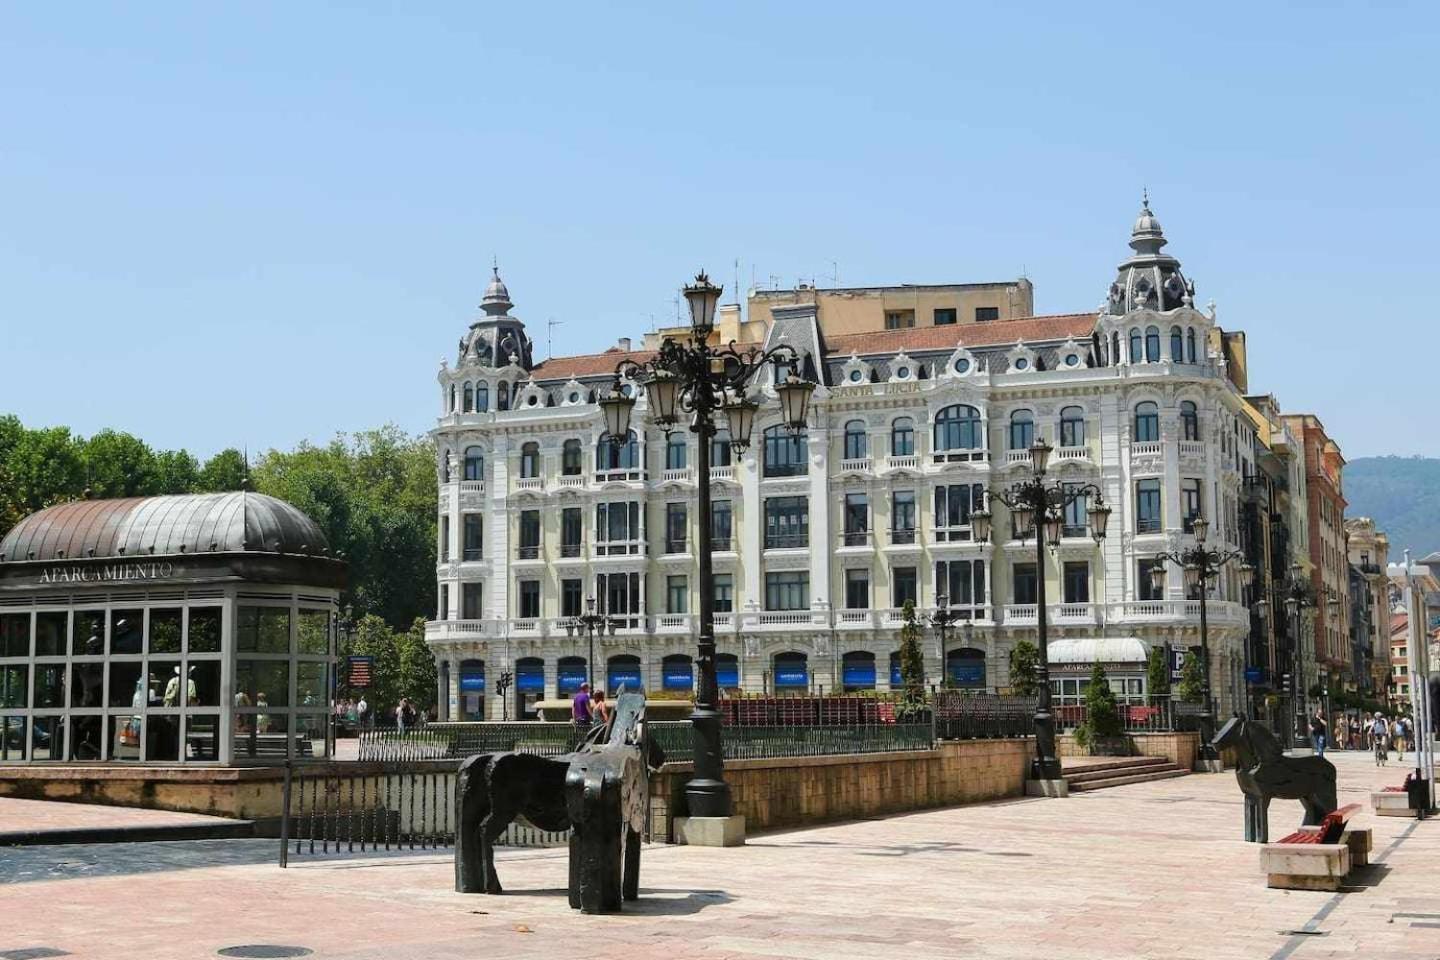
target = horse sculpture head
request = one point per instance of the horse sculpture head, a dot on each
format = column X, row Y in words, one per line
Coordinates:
column 1231, row 736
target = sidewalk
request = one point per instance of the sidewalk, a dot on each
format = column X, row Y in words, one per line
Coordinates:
column 1148, row 870
column 30, row 822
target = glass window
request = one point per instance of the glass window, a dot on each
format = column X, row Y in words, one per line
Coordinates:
column 720, row 449
column 262, row 683
column 47, row 738
column 1023, row 576
column 474, row 464
column 1143, row 588
column 529, row 534
column 792, row 672
column 1072, row 427
column 986, row 314
column 261, row 735
column 310, row 684
column 618, row 521
column 856, row 447
column 902, row 517
column 1177, row 345
column 570, row 672
column 1076, row 517
column 954, row 503
column 14, row 635
column 162, row 739
column 961, row 581
column 902, row 437
column 473, row 536
column 15, row 685
column 469, row 398
column 12, row 738
column 1152, row 344
column 127, row 631
column 857, row 589
column 125, row 734
column 945, row 316
column 1189, row 421
column 1189, row 504
column 127, row 686
column 677, row 593
column 529, row 599
column 904, row 585
column 1147, row 422
column 787, row 522
column 1189, row 344
column 204, row 634
column 571, row 601
column 51, row 628
column 87, row 635
column 570, row 458
column 204, row 683
column 1077, row 581
column 482, row 397
column 530, row 460
column 676, row 452
column 722, row 521
column 86, row 683
column 624, row 457
column 677, row 672
column 1022, row 430
column 785, row 452
column 724, row 592
column 49, row 685
column 787, row 590
column 313, row 632
column 262, row 629
column 958, row 428
column 857, row 519
column 472, row 599
column 1136, row 350
column 899, row 319
column 676, row 527
column 502, row 396
column 571, row 531
column 1147, row 506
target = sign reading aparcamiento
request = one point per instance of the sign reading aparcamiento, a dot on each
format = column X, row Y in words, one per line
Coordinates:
column 108, row 572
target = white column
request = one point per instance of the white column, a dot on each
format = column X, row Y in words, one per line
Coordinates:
column 497, row 546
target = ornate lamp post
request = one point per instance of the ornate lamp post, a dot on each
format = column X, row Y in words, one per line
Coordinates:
column 589, row 624
column 703, row 383
column 941, row 621
column 1200, row 566
column 1035, row 504
column 1296, row 596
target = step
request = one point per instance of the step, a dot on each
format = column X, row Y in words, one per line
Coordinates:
column 130, row 833
column 1090, row 776
column 1121, row 781
column 1088, row 765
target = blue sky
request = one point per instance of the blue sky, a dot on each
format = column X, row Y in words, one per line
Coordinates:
column 253, row 224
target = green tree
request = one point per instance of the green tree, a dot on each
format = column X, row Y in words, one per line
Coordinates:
column 222, row 472
column 1102, row 713
column 912, row 658
column 1025, row 668
column 44, row 467
column 1157, row 671
column 373, row 637
column 118, row 465
column 418, row 675
column 1191, row 688
column 176, row 471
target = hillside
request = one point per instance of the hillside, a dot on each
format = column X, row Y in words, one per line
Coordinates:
column 1402, row 495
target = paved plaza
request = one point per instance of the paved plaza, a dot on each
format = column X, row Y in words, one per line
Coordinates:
column 1146, row 870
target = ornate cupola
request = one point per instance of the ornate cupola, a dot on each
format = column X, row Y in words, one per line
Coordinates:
column 1150, row 279
column 496, row 339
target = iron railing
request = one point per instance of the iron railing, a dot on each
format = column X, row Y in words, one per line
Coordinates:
column 1139, row 715
column 962, row 715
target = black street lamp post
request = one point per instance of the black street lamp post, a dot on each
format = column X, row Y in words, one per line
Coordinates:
column 1035, row 504
column 589, row 624
column 704, row 382
column 1296, row 596
column 942, row 621
column 1200, row 566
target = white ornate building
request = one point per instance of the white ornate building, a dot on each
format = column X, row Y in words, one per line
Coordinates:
column 820, row 538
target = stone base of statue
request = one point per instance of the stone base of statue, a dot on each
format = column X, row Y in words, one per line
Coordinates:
column 1047, row 788
column 1209, row 766
column 710, row 831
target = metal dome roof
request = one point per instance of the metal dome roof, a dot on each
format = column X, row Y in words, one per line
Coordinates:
column 238, row 522
column 496, row 301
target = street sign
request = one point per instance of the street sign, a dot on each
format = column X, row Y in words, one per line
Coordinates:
column 1254, row 674
column 358, row 670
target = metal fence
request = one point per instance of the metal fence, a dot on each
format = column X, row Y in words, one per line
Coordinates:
column 1148, row 715
column 960, row 715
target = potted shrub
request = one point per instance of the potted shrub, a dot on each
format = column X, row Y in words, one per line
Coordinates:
column 1102, row 733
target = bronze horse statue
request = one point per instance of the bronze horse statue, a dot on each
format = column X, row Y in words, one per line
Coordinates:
column 1264, row 772
column 599, row 792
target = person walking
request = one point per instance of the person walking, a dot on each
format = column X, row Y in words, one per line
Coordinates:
column 1397, row 733
column 580, row 712
column 362, row 711
column 601, row 709
column 1317, row 731
column 1378, row 730
column 400, row 715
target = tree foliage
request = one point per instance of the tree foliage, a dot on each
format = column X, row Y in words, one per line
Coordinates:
column 912, row 658
column 1025, row 668
column 1191, row 688
column 1102, row 713
column 1157, row 670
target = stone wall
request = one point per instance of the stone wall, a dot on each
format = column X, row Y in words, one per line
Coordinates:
column 804, row 790
column 248, row 793
column 1179, row 748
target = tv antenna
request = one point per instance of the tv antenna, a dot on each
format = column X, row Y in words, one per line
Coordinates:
column 550, row 326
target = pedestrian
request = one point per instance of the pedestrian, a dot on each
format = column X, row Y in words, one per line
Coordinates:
column 1397, row 732
column 1378, row 730
column 400, row 710
column 602, row 710
column 362, row 711
column 580, row 712
column 1317, row 731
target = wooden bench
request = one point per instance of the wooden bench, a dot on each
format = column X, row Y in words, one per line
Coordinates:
column 1393, row 801
column 1318, row 857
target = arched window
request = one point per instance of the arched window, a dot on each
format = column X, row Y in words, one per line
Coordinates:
column 958, row 428
column 469, row 398
column 474, row 464
column 676, row 452
column 1189, row 344
column 857, row 670
column 1022, row 429
column 1136, row 346
column 482, row 397
column 727, row 671
column 792, row 671
column 1177, row 345
column 965, row 667
column 1147, row 422
column 902, row 437
column 1115, row 349
column 855, row 445
column 472, row 689
column 570, row 464
column 530, row 460
column 445, row 465
column 502, row 396
column 1189, row 421
column 785, row 452
column 1152, row 344
column 624, row 457
column 452, row 397
column 529, row 686
column 570, row 672
column 623, row 669
column 1072, row 427
column 720, row 454
column 677, row 673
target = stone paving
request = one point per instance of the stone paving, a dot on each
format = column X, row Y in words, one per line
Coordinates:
column 24, row 816
column 1147, row 870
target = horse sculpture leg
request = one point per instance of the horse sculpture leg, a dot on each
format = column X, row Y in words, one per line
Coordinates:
column 491, row 826
column 471, row 804
column 631, row 883
column 1262, row 820
column 1252, row 818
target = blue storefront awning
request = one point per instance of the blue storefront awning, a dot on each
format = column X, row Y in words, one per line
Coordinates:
column 473, row 681
column 680, row 676
column 860, row 673
column 967, row 673
column 727, row 672
column 568, row 678
column 628, row 675
column 530, row 678
column 792, row 673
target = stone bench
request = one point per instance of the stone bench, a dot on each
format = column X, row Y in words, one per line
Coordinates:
column 1318, row 857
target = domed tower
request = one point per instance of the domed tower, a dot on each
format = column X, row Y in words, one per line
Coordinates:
column 1150, row 279
column 496, row 339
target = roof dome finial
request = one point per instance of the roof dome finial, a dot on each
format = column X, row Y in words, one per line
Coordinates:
column 496, row 302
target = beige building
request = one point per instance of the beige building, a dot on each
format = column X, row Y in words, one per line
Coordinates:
column 1369, row 553
column 852, row 310
column 1329, row 563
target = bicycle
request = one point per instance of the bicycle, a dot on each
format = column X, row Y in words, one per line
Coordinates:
column 1382, row 751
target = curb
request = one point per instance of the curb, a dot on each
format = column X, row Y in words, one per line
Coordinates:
column 227, row 830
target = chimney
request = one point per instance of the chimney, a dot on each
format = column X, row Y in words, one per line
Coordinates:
column 625, row 344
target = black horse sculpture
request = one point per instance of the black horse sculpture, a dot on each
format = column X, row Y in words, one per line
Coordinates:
column 1264, row 772
column 599, row 790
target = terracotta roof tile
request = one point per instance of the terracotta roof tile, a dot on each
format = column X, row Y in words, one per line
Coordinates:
column 1028, row 329
column 587, row 365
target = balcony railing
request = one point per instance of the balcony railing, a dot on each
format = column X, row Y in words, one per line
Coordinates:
column 953, row 534
column 1066, row 454
column 904, row 536
column 570, row 551
column 619, row 548
column 472, row 554
column 907, row 462
column 472, row 486
column 527, row 553
column 786, row 541
column 855, row 538
column 720, row 544
column 722, row 473
column 530, row 483
column 1013, row 457
column 855, row 465
column 1147, row 448
column 1192, row 449
column 677, row 546
column 570, row 483
column 676, row 475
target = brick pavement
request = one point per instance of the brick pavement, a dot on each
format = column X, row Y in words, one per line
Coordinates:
column 1147, row 870
column 24, row 816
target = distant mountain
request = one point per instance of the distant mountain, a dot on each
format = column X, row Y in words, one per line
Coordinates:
column 1402, row 496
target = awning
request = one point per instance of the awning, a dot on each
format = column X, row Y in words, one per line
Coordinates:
column 1090, row 650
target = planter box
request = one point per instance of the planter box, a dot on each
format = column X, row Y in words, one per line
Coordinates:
column 1391, row 804
column 1111, row 747
column 1305, row 866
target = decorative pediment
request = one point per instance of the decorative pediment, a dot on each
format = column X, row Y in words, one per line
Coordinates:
column 855, row 372
column 1071, row 355
column 962, row 364
column 574, row 393
column 1021, row 358
column 903, row 369
column 528, row 396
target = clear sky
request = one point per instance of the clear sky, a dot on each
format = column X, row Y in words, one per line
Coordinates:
column 253, row 224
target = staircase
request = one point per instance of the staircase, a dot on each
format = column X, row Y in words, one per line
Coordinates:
column 1097, row 773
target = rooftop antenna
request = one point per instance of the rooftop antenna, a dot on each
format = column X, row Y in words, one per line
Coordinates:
column 737, row 279
column 835, row 273
column 550, row 326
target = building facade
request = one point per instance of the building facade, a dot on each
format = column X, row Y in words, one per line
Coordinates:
column 821, row 538
column 1329, row 567
column 1368, row 550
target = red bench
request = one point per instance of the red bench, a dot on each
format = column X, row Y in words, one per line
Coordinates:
column 1329, row 830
